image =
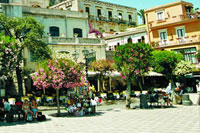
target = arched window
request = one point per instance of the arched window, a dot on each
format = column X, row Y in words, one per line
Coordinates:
column 78, row 31
column 129, row 40
column 54, row 31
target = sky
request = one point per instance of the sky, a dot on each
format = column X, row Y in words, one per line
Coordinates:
column 145, row 4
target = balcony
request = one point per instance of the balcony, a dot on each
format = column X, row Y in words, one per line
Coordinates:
column 188, row 40
column 101, row 19
column 65, row 40
column 121, row 21
column 53, row 12
column 174, row 20
column 132, row 23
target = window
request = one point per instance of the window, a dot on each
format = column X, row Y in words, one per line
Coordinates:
column 109, row 14
column 160, row 15
column 87, row 9
column 180, row 31
column 163, row 34
column 130, row 40
column 188, row 53
column 78, row 31
column 118, row 44
column 98, row 12
column 54, row 31
column 120, row 16
column 130, row 18
column 143, row 39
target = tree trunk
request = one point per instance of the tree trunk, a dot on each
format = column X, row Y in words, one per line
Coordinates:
column 19, row 81
column 128, row 94
column 98, row 82
column 140, row 84
column 110, row 80
column 58, row 104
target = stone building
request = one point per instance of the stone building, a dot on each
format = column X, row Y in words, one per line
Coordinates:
column 102, row 16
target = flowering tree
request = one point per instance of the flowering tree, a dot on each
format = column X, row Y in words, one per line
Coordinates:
column 22, row 33
column 58, row 74
column 165, row 62
column 102, row 66
column 183, row 68
column 132, row 60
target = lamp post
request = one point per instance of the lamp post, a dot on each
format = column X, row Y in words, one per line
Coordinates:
column 75, row 55
column 89, row 56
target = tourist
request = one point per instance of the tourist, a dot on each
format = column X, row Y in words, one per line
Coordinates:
column 34, row 108
column 26, row 109
column 6, row 105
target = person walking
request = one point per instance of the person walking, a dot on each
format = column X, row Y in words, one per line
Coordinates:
column 198, row 91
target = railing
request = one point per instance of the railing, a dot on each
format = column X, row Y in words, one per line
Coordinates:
column 122, row 22
column 65, row 40
column 53, row 12
column 183, row 40
column 132, row 23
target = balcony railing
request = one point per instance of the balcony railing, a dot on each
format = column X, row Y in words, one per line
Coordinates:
column 132, row 23
column 177, row 41
column 65, row 40
column 121, row 21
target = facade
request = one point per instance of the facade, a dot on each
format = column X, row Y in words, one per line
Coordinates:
column 102, row 16
column 174, row 26
column 65, row 31
column 135, row 35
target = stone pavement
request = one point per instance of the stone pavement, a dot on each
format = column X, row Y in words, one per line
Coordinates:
column 116, row 119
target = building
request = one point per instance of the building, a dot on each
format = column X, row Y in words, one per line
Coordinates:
column 138, row 34
column 65, row 31
column 102, row 16
column 174, row 26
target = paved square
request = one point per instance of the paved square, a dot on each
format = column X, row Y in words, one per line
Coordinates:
column 116, row 119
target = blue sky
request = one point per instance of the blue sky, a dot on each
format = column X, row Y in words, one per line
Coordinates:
column 145, row 4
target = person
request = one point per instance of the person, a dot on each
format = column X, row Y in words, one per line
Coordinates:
column 5, row 108
column 168, row 89
column 34, row 108
column 26, row 109
column 198, row 91
column 182, row 87
column 6, row 105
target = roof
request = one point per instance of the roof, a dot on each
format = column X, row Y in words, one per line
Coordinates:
column 168, row 5
column 127, row 33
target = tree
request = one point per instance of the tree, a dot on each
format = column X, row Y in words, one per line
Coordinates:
column 198, row 55
column 183, row 68
column 165, row 62
column 132, row 60
column 27, row 33
column 103, row 67
column 58, row 74
column 141, row 14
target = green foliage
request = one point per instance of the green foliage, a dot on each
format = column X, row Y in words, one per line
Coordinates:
column 28, row 34
column 7, row 56
column 184, row 67
column 198, row 55
column 165, row 61
column 133, row 59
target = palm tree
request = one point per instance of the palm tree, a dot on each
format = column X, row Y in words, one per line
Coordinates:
column 141, row 14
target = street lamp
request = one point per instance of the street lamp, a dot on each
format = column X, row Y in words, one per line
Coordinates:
column 89, row 56
column 75, row 55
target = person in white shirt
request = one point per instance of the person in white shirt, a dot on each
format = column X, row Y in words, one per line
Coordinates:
column 198, row 91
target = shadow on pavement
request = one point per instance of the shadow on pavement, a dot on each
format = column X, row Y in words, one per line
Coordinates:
column 66, row 115
column 20, row 122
